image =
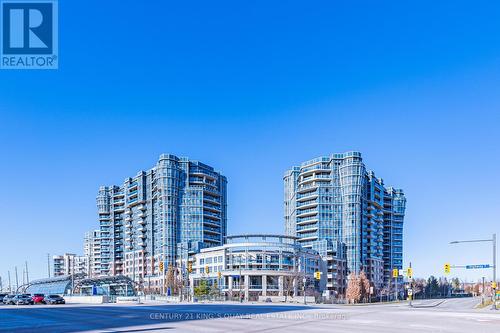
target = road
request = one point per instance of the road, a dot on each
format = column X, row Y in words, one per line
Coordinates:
column 455, row 316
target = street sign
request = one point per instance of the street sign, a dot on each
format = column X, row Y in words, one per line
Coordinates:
column 395, row 273
column 477, row 266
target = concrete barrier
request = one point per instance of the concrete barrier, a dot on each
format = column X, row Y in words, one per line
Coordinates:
column 86, row 299
column 128, row 300
column 281, row 299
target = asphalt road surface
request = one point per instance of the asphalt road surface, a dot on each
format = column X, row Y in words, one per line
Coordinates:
column 456, row 315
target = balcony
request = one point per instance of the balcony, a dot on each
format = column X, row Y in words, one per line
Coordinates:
column 141, row 207
column 307, row 188
column 307, row 228
column 141, row 229
column 310, row 238
column 210, row 230
column 211, row 200
column 211, row 207
column 318, row 177
column 307, row 221
column 307, row 212
column 142, row 222
column 307, row 204
column 211, row 192
column 314, row 169
column 141, row 215
column 211, row 215
column 307, row 196
column 211, row 223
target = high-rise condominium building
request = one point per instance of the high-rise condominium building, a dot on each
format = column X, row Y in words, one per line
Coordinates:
column 92, row 251
column 176, row 207
column 337, row 207
column 69, row 263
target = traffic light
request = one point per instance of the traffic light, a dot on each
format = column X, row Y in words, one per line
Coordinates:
column 219, row 274
column 190, row 267
column 395, row 273
column 447, row 268
column 409, row 272
column 317, row 275
column 161, row 266
column 207, row 269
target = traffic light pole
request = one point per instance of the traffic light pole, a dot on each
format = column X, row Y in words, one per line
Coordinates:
column 494, row 240
column 411, row 284
column 396, row 286
column 494, row 266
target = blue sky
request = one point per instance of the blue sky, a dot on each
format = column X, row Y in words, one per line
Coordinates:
column 254, row 88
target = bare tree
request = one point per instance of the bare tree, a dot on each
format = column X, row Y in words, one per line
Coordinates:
column 365, row 286
column 353, row 293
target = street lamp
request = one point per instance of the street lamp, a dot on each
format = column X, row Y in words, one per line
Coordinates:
column 493, row 240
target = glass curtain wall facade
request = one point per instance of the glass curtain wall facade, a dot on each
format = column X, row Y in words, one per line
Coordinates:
column 177, row 206
column 335, row 199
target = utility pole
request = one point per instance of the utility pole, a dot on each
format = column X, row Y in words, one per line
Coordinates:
column 27, row 276
column 304, row 279
column 17, row 280
column 411, row 286
column 10, row 285
column 494, row 240
column 396, row 286
column 482, row 294
column 240, row 278
column 48, row 264
column 72, row 275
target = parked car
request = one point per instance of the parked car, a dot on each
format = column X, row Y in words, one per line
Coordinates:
column 38, row 298
column 8, row 299
column 54, row 299
column 22, row 300
column 2, row 296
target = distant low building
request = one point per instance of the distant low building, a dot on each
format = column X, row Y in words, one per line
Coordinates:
column 92, row 250
column 69, row 263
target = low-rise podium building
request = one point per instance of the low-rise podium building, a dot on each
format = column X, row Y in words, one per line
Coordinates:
column 257, row 266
